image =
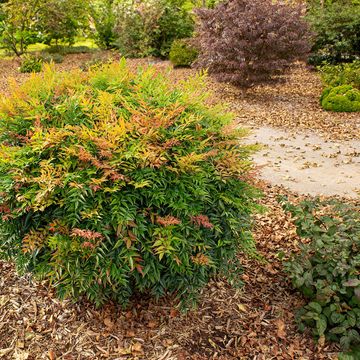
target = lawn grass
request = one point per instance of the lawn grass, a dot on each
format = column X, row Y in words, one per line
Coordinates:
column 33, row 48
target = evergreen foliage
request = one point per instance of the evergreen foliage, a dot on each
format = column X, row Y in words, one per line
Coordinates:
column 31, row 64
column 114, row 182
column 342, row 98
column 337, row 28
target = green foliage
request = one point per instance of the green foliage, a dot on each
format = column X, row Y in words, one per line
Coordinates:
column 354, row 354
column 114, row 182
column 342, row 74
column 104, row 16
column 342, row 98
column 18, row 25
column 326, row 270
column 182, row 53
column 49, row 21
column 95, row 63
column 150, row 27
column 31, row 64
column 337, row 29
column 61, row 21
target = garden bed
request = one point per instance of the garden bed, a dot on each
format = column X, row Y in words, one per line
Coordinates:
column 256, row 322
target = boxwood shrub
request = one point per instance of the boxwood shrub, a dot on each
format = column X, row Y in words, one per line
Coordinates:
column 114, row 182
column 342, row 98
column 326, row 270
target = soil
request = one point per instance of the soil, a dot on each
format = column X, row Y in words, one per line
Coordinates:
column 256, row 322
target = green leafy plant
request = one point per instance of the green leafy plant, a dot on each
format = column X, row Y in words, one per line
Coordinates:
column 61, row 21
column 337, row 28
column 31, row 64
column 182, row 53
column 95, row 62
column 114, row 182
column 104, row 16
column 326, row 270
column 342, row 98
column 342, row 74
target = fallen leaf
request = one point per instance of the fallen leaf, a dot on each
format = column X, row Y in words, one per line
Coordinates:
column 242, row 307
column 281, row 333
column 137, row 348
column 4, row 352
column 152, row 324
column 108, row 323
column 174, row 313
column 52, row 355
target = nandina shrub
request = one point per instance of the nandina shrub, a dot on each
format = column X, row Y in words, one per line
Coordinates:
column 114, row 182
column 247, row 42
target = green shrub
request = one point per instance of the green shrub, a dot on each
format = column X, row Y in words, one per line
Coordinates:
column 31, row 64
column 342, row 98
column 326, row 270
column 114, row 182
column 342, row 74
column 149, row 28
column 337, row 29
column 182, row 53
column 53, row 57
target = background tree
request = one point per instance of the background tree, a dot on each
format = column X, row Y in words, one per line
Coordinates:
column 62, row 20
column 18, row 24
column 103, row 14
column 150, row 27
column 250, row 42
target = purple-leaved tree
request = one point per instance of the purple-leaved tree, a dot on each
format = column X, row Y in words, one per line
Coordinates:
column 249, row 42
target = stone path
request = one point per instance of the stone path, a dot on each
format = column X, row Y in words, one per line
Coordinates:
column 306, row 163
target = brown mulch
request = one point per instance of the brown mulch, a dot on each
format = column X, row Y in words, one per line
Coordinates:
column 256, row 322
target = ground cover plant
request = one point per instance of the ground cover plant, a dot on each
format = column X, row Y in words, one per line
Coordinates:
column 326, row 270
column 113, row 182
column 237, row 46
